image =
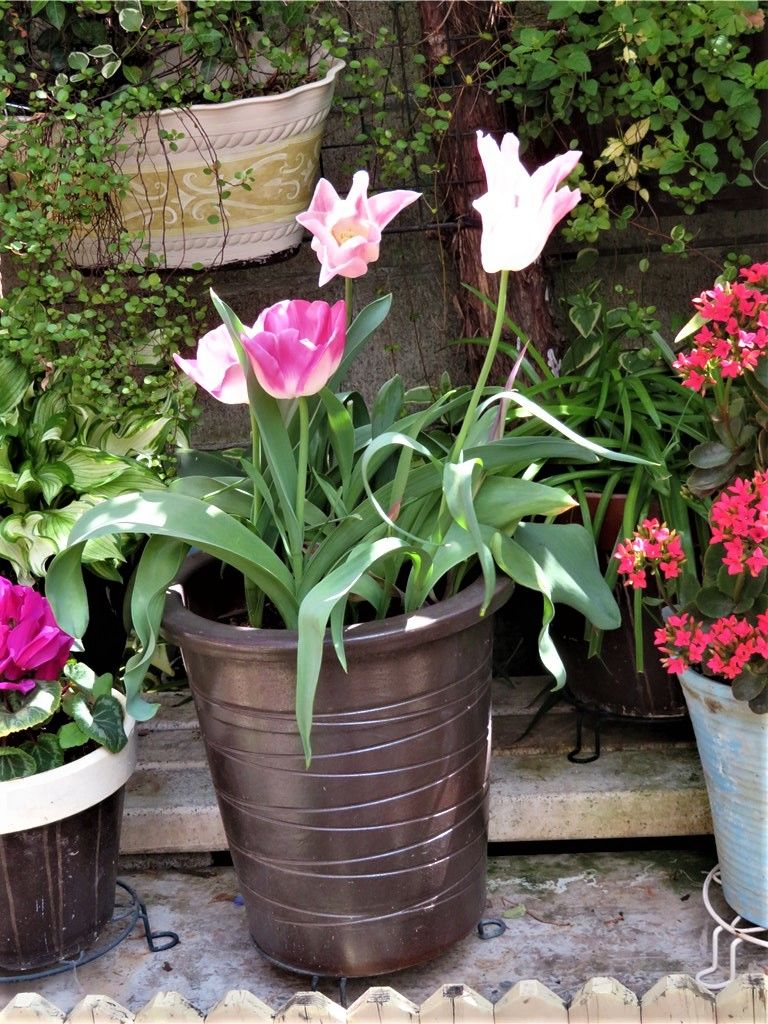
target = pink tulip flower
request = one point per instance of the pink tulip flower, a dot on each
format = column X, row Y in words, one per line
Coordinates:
column 519, row 210
column 296, row 346
column 32, row 647
column 347, row 232
column 217, row 368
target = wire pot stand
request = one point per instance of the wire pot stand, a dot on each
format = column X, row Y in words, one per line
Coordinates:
column 126, row 916
column 737, row 928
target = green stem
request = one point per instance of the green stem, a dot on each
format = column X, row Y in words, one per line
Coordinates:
column 254, row 595
column 301, row 487
column 485, row 370
column 348, row 290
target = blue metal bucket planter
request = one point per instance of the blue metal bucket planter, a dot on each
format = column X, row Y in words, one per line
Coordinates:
column 733, row 746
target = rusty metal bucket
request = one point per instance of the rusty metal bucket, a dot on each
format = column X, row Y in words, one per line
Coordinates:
column 374, row 858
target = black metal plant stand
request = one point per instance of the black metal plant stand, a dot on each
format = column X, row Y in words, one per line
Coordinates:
column 591, row 719
column 126, row 916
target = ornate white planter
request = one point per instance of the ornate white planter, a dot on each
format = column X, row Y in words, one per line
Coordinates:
column 174, row 196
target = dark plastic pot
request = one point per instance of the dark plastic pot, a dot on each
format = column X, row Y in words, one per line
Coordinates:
column 59, row 844
column 374, row 858
column 609, row 682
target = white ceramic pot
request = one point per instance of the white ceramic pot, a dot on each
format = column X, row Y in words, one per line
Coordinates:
column 61, row 792
column 733, row 747
column 174, row 158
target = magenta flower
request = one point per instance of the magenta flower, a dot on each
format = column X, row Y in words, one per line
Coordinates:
column 32, row 647
column 347, row 232
column 296, row 346
column 520, row 210
column 217, row 368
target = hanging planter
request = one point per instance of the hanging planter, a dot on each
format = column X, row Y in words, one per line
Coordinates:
column 186, row 201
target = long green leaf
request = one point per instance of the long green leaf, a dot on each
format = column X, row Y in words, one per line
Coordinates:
column 457, row 488
column 314, row 612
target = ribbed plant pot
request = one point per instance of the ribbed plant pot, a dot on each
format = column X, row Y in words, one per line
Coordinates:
column 59, row 843
column 373, row 859
column 733, row 747
column 175, row 157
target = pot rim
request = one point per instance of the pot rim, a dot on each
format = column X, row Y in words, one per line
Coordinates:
column 329, row 78
column 61, row 792
column 424, row 625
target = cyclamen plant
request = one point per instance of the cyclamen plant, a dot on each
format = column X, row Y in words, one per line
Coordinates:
column 721, row 625
column 340, row 511
column 49, row 704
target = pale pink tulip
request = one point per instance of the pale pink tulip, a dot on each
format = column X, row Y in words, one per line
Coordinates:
column 217, row 368
column 347, row 232
column 520, row 210
column 296, row 346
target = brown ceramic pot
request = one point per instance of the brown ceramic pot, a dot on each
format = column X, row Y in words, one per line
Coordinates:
column 373, row 859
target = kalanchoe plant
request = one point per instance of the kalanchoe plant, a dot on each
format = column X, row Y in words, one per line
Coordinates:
column 720, row 624
column 51, row 707
column 341, row 512
column 727, row 361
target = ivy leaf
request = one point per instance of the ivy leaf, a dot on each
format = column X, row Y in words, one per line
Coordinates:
column 15, row 764
column 56, row 13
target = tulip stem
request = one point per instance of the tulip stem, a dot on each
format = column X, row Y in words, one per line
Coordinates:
column 485, row 370
column 301, row 486
column 348, row 290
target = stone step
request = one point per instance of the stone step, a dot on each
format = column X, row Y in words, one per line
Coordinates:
column 646, row 782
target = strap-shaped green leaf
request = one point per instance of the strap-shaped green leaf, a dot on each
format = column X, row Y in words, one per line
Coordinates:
column 314, row 613
column 459, row 497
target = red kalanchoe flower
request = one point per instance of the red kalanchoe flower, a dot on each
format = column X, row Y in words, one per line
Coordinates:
column 681, row 641
column 653, row 544
column 735, row 336
column 739, row 521
column 32, row 647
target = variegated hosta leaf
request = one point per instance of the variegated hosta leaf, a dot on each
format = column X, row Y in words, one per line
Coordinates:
column 27, row 711
column 14, row 381
column 16, row 764
column 91, row 469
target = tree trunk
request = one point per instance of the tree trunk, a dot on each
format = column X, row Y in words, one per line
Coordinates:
column 454, row 28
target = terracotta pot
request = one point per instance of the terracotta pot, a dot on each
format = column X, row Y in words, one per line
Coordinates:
column 374, row 858
column 59, row 843
column 172, row 191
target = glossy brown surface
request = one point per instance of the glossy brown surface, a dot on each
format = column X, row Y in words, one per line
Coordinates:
column 373, row 859
column 57, row 886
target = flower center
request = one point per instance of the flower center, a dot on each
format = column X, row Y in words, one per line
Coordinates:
column 349, row 227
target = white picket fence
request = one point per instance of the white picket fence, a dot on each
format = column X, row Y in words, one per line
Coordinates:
column 674, row 999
